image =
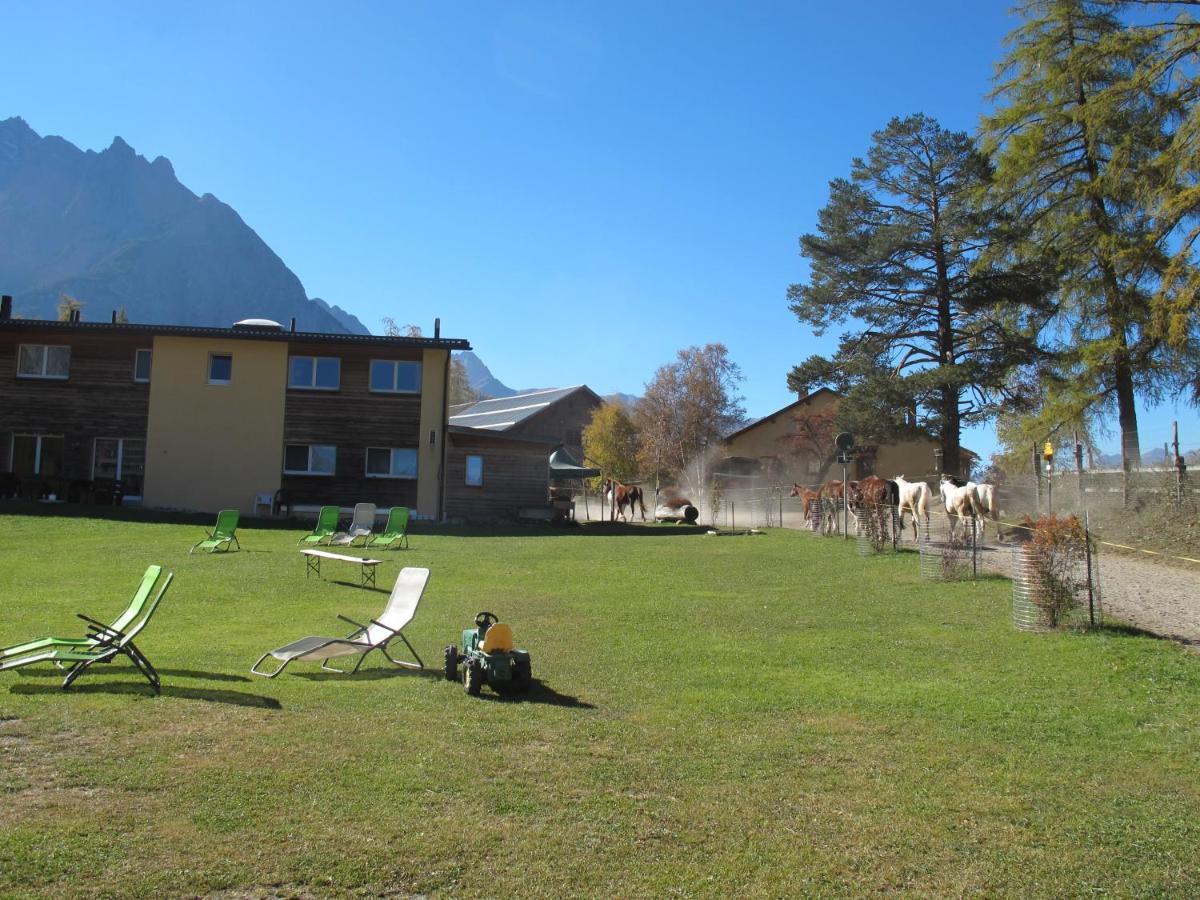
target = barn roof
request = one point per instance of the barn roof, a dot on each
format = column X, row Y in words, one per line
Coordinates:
column 505, row 412
column 779, row 412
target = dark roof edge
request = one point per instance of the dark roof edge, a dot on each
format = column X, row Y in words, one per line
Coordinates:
column 468, row 431
column 240, row 334
column 780, row 411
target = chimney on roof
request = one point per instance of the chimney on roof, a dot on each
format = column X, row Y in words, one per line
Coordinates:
column 293, row 323
column 114, row 317
column 6, row 307
column 76, row 315
column 437, row 328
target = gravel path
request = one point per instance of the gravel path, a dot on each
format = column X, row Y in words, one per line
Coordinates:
column 1155, row 596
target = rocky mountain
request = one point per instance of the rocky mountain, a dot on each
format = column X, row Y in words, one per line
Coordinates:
column 114, row 230
column 481, row 379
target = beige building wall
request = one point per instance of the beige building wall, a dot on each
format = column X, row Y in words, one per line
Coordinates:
column 211, row 447
column 768, row 439
column 433, row 410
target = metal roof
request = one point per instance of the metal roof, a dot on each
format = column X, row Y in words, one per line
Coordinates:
column 505, row 412
column 242, row 333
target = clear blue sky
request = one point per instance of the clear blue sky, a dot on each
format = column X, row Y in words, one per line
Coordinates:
column 629, row 178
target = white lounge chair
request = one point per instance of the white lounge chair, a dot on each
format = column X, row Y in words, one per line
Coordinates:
column 362, row 524
column 400, row 610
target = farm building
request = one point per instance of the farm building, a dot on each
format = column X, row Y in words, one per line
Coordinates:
column 194, row 418
column 498, row 460
column 767, row 448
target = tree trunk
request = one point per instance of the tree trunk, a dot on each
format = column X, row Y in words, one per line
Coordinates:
column 951, row 414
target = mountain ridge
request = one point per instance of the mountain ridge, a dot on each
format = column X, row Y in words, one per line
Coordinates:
column 117, row 231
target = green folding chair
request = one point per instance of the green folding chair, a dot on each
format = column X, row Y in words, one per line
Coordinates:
column 223, row 533
column 119, row 623
column 395, row 531
column 326, row 527
column 104, row 643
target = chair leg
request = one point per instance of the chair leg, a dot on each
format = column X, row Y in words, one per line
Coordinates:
column 76, row 670
column 144, row 666
column 254, row 668
column 399, row 662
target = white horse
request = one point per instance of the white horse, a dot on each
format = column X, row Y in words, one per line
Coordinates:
column 986, row 494
column 914, row 498
column 961, row 502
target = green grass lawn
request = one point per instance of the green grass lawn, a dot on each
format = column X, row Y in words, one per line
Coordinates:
column 766, row 716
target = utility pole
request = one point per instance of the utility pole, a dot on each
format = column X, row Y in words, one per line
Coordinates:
column 1180, row 467
column 1079, row 468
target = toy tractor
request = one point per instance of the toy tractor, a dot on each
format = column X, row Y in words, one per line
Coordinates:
column 488, row 657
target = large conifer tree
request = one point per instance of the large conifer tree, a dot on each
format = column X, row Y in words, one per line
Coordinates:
column 896, row 254
column 1076, row 168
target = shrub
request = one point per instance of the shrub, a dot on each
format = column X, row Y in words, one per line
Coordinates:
column 1057, row 552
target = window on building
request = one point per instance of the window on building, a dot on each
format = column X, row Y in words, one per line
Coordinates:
column 309, row 459
column 220, row 368
column 394, row 376
column 315, row 373
column 36, row 454
column 391, row 462
column 42, row 361
column 122, row 460
column 475, row 471
column 141, row 365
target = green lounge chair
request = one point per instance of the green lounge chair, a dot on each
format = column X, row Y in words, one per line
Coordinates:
column 131, row 612
column 223, row 533
column 104, row 644
column 394, row 532
column 325, row 529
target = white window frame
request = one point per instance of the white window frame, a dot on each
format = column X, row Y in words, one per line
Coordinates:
column 309, row 470
column 37, row 448
column 120, row 458
column 314, row 386
column 395, row 363
column 390, row 450
column 45, row 359
column 467, row 474
column 217, row 381
column 136, row 356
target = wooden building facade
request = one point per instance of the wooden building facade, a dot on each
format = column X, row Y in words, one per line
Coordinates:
column 204, row 418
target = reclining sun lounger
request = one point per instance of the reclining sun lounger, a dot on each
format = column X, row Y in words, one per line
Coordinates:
column 103, row 644
column 223, row 534
column 120, row 622
column 394, row 532
column 400, row 610
column 361, row 525
column 326, row 527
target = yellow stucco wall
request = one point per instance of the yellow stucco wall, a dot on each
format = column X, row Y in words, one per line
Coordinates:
column 429, row 456
column 211, row 447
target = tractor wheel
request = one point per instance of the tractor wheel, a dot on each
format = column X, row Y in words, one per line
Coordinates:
column 472, row 677
column 522, row 677
column 451, row 665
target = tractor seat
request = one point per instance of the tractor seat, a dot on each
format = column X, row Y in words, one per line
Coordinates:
column 498, row 639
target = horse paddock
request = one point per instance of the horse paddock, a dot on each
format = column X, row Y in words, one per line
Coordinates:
column 772, row 716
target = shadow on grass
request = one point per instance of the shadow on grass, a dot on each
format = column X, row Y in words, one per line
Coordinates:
column 1124, row 629
column 539, row 692
column 173, row 673
column 208, row 695
column 367, row 674
column 586, row 529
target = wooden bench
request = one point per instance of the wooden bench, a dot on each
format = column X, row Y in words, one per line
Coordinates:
column 312, row 559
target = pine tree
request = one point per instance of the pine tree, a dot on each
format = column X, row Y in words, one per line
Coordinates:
column 897, row 252
column 1075, row 167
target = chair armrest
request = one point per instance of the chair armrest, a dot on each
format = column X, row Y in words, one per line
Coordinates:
column 358, row 629
column 384, row 627
column 100, row 626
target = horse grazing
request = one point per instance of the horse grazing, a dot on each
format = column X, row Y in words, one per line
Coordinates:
column 914, row 498
column 875, row 498
column 811, row 502
column 961, row 501
column 624, row 495
column 833, row 496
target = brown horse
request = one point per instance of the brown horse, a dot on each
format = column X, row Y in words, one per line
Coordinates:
column 810, row 502
column 624, row 495
column 834, row 495
column 873, row 500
